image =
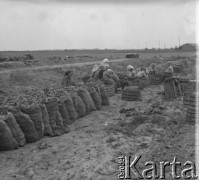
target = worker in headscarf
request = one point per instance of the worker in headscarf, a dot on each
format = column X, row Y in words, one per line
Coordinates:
column 152, row 69
column 98, row 74
column 170, row 69
column 94, row 70
column 67, row 79
column 131, row 71
column 106, row 63
column 141, row 73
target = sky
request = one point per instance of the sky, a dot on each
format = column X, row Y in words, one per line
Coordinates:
column 62, row 24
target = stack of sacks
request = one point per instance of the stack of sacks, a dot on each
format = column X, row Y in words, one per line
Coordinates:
column 189, row 102
column 26, row 118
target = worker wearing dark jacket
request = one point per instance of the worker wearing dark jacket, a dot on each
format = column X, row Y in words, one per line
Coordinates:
column 67, row 79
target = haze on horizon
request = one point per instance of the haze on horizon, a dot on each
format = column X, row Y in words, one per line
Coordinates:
column 59, row 24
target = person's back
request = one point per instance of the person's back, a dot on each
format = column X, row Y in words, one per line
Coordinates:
column 67, row 79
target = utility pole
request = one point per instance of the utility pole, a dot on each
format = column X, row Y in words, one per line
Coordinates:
column 179, row 43
column 146, row 44
column 164, row 45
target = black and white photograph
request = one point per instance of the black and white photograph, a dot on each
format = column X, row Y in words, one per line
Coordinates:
column 99, row 90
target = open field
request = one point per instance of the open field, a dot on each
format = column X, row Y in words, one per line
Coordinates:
column 43, row 58
column 91, row 150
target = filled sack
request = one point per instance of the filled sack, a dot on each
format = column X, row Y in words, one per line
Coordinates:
column 7, row 141
column 83, row 95
column 53, row 108
column 16, row 131
column 91, row 103
column 104, row 96
column 34, row 112
column 70, row 108
column 81, row 110
column 96, row 99
column 45, row 120
column 27, row 126
column 64, row 113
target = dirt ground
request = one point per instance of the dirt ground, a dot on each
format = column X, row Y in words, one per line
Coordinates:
column 91, row 150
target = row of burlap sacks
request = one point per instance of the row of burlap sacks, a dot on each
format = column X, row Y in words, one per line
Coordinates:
column 29, row 120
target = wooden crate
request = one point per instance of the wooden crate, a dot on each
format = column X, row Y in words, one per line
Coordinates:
column 110, row 90
column 131, row 93
column 188, row 87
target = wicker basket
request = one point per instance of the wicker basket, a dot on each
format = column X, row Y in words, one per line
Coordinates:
column 110, row 90
column 131, row 93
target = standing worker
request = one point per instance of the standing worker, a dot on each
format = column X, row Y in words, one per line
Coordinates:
column 94, row 70
column 152, row 69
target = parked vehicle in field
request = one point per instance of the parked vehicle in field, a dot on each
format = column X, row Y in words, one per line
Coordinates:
column 133, row 55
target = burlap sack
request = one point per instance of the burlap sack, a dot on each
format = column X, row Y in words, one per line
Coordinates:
column 27, row 126
column 15, row 129
column 53, row 108
column 70, row 108
column 104, row 96
column 74, row 99
column 81, row 110
column 35, row 115
column 98, row 91
column 45, row 119
column 7, row 141
column 96, row 99
column 64, row 114
column 84, row 97
column 91, row 103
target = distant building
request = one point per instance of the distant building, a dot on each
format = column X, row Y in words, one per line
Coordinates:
column 189, row 47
